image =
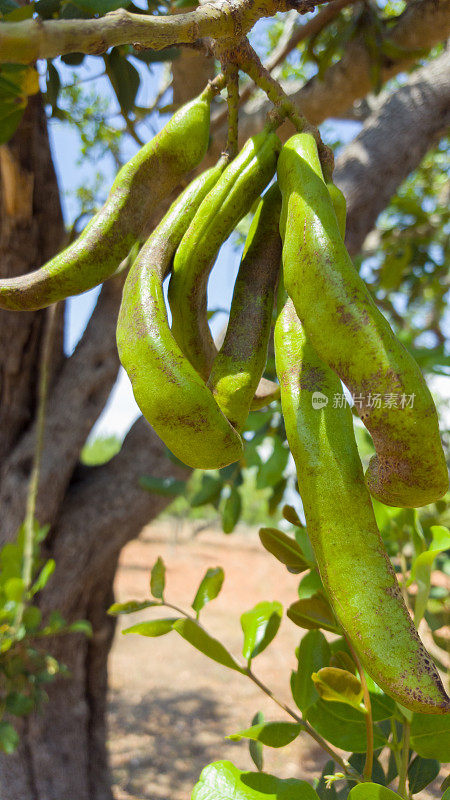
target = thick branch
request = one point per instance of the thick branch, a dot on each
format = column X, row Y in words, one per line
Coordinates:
column 77, row 400
column 23, row 42
column 104, row 509
column 424, row 24
column 392, row 143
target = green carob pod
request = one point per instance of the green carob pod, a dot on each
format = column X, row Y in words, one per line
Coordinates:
column 355, row 569
column 352, row 336
column 168, row 390
column 139, row 187
column 238, row 367
column 231, row 198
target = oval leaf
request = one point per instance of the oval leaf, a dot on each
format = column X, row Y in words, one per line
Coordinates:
column 421, row 772
column 338, row 686
column 313, row 612
column 371, row 791
column 207, row 645
column 343, row 726
column 222, row 781
column 284, row 548
column 256, row 749
column 166, row 487
column 260, row 625
column 209, row 588
column 430, row 736
column 155, row 627
column 272, row 734
column 310, row 585
column 131, row 606
column 232, row 510
column 158, row 579
column 313, row 654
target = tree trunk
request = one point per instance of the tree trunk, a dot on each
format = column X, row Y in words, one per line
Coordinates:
column 62, row 753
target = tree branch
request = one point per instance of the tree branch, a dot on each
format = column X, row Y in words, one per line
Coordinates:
column 103, row 510
column 24, row 42
column 423, row 24
column 392, row 143
column 78, row 398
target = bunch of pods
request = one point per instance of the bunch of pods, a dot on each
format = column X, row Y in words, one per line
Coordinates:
column 328, row 329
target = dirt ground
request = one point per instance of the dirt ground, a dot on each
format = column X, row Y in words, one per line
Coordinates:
column 170, row 707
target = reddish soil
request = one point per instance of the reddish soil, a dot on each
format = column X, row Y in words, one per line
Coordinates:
column 170, row 707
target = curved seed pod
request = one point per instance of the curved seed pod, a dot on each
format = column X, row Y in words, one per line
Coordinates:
column 138, row 188
column 352, row 336
column 238, row 367
column 339, row 205
column 168, row 390
column 354, row 566
column 232, row 197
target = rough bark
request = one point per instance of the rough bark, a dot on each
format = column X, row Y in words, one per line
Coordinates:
column 393, row 141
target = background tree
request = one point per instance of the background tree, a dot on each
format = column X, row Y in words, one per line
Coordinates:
column 334, row 64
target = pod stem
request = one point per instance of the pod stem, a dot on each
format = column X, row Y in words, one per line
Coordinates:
column 368, row 766
column 44, row 377
column 231, row 73
column 251, row 64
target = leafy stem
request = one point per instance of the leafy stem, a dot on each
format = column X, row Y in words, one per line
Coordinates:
column 44, row 376
column 368, row 766
column 404, row 759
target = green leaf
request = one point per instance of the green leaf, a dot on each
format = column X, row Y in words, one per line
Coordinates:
column 158, row 579
column 421, row 772
column 8, row 5
column 81, row 626
column 445, row 784
column 15, row 590
column 313, row 654
column 32, row 618
column 284, row 548
column 209, row 588
column 290, row 514
column 53, row 85
column 207, row 645
column 19, row 704
column 44, row 576
column 223, row 781
column 342, row 660
column 149, row 56
column 101, row 6
column 272, row 734
column 209, row 492
column 313, row 612
column 131, row 606
column 430, row 736
column 260, row 626
column 338, row 686
column 371, row 791
column 271, row 471
column 9, row 738
column 343, row 726
column 446, row 795
column 256, row 749
column 155, row 627
column 124, row 77
column 232, row 510
column 422, row 567
column 166, row 487
column 310, row 585
column 358, row 760
column 277, row 495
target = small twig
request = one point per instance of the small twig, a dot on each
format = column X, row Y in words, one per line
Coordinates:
column 286, row 45
column 44, row 376
column 404, row 760
column 231, row 73
column 250, row 63
column 368, row 766
column 395, row 748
